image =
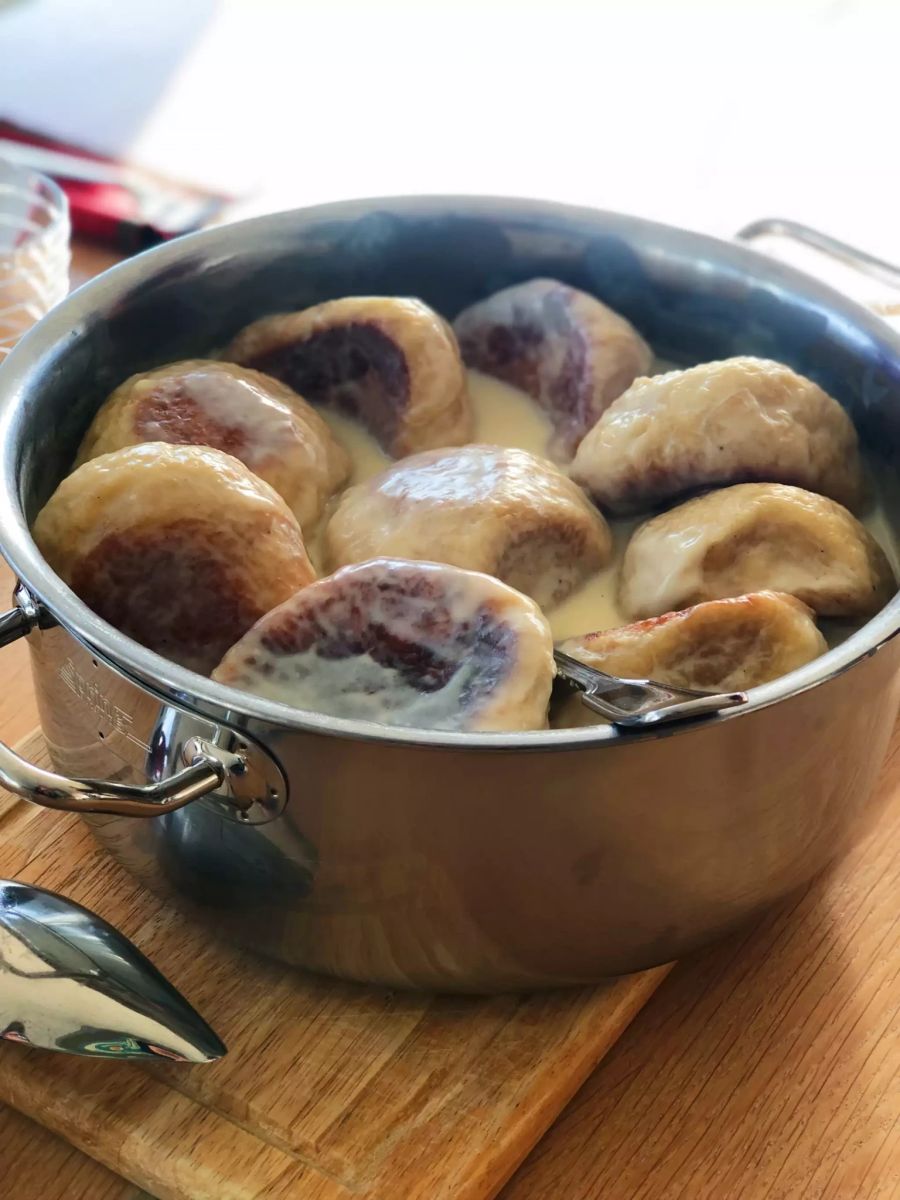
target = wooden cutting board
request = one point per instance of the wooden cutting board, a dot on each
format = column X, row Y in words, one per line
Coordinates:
column 330, row 1090
column 36, row 1163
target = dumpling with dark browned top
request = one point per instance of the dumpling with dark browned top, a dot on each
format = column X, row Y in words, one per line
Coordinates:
column 751, row 537
column 392, row 363
column 485, row 508
column 566, row 349
column 180, row 547
column 259, row 420
column 742, row 419
column 717, row 646
column 403, row 643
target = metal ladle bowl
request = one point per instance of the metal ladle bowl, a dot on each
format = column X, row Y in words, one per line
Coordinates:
column 69, row 981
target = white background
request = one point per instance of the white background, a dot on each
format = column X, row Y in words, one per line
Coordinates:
column 701, row 114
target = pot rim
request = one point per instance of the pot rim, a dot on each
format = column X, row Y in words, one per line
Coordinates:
column 186, row 688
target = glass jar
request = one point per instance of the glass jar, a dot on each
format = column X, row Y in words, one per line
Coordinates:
column 34, row 250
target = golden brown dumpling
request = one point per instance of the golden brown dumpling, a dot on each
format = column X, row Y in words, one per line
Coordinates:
column 717, row 646
column 750, row 537
column 392, row 363
column 180, row 547
column 403, row 643
column 259, row 420
column 568, row 351
column 723, row 422
column 485, row 508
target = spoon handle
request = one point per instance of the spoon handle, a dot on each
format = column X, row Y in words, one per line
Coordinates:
column 638, row 703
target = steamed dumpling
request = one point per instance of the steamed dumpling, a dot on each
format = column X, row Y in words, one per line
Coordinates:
column 751, row 537
column 725, row 422
column 403, row 643
column 180, row 547
column 259, row 420
column 563, row 347
column 484, row 508
column 716, row 646
column 390, row 362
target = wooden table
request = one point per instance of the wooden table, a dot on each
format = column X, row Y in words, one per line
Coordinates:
column 765, row 1068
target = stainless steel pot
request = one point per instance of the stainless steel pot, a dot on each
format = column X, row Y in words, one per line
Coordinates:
column 477, row 862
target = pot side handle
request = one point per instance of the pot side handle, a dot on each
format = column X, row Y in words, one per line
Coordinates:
column 832, row 247
column 204, row 775
column 207, row 771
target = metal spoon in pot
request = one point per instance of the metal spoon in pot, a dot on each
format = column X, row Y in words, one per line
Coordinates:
column 637, row 703
column 70, row 982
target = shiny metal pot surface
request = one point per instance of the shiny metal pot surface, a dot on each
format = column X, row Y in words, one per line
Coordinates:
column 465, row 861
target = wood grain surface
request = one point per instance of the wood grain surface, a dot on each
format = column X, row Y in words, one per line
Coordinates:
column 767, row 1068
column 330, row 1090
column 38, row 1165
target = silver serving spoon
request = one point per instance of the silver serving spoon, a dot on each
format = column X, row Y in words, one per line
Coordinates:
column 70, row 982
column 637, row 703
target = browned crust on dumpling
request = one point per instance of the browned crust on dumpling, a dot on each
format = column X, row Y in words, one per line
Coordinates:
column 719, row 645
column 390, row 362
column 255, row 418
column 180, row 547
column 566, row 349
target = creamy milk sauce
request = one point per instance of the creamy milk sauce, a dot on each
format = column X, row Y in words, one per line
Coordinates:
column 356, row 686
column 366, row 457
column 362, row 690
column 504, row 416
